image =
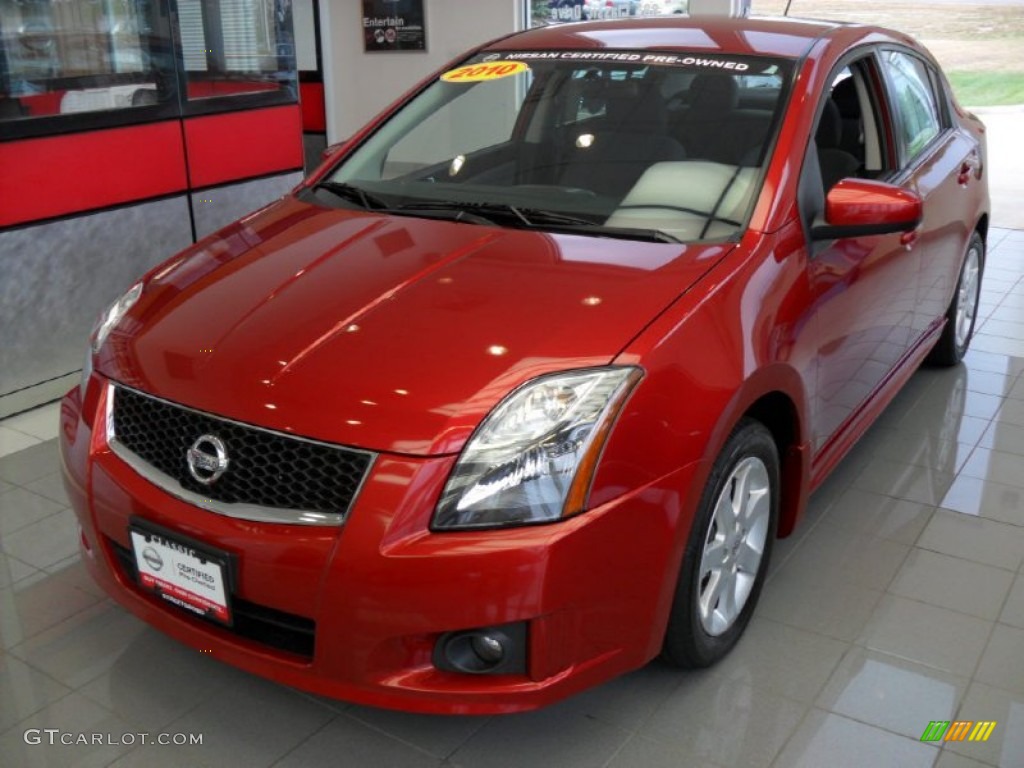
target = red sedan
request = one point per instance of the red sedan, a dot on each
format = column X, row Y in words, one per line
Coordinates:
column 516, row 392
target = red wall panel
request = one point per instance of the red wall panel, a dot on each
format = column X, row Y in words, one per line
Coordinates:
column 59, row 175
column 238, row 145
column 42, row 103
column 204, row 89
column 314, row 115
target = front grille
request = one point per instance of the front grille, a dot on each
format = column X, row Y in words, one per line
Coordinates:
column 266, row 469
column 259, row 623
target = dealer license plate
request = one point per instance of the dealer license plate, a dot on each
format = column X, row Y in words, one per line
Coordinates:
column 182, row 574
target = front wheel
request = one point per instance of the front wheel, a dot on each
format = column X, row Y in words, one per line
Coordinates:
column 727, row 554
column 963, row 309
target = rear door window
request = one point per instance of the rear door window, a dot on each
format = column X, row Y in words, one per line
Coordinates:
column 914, row 101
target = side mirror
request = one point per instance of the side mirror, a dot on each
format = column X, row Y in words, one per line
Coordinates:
column 859, row 207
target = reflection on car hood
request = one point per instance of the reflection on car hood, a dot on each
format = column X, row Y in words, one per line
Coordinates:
column 390, row 333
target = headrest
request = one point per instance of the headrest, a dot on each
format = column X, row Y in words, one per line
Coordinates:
column 636, row 107
column 845, row 97
column 620, row 99
column 830, row 127
column 714, row 93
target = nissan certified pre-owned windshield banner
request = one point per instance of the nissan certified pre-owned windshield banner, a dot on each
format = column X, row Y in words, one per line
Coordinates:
column 747, row 65
column 394, row 25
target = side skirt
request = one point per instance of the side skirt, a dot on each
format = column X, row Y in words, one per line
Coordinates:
column 858, row 422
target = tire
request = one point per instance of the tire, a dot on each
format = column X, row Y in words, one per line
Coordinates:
column 727, row 553
column 963, row 309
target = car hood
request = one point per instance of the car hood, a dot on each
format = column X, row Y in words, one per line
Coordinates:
column 386, row 332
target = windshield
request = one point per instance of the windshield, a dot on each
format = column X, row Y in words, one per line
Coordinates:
column 661, row 146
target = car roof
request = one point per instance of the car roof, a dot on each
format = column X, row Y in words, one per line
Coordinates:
column 770, row 36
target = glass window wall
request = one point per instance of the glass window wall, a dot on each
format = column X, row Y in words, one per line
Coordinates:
column 115, row 62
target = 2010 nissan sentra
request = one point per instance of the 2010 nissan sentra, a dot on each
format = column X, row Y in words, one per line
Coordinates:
column 517, row 390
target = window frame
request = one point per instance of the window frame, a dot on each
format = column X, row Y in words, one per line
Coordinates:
column 864, row 68
column 864, row 63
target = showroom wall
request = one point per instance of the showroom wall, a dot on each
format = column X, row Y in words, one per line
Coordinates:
column 359, row 84
column 132, row 130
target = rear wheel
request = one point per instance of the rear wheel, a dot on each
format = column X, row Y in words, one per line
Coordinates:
column 726, row 558
column 963, row 309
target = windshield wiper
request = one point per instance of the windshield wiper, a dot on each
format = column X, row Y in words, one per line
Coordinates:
column 538, row 216
column 465, row 214
column 532, row 218
column 565, row 223
column 354, row 194
column 629, row 233
column 471, row 212
column 527, row 217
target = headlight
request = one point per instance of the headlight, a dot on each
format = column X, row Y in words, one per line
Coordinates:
column 106, row 322
column 83, row 383
column 533, row 457
column 112, row 316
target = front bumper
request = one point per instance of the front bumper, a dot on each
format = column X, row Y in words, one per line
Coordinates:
column 372, row 597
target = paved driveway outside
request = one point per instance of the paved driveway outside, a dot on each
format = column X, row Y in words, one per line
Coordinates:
column 1005, row 163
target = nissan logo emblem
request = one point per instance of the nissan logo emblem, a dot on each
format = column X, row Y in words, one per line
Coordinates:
column 207, row 459
column 152, row 558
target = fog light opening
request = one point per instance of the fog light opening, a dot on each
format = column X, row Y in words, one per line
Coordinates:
column 485, row 651
column 488, row 648
column 475, row 653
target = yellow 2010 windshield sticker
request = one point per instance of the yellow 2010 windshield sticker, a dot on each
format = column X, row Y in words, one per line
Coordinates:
column 488, row 70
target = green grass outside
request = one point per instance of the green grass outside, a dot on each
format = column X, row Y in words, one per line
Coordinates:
column 986, row 89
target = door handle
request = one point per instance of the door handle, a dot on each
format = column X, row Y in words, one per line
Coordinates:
column 909, row 239
column 968, row 168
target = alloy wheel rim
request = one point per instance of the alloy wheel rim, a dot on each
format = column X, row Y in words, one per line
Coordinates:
column 967, row 297
column 734, row 546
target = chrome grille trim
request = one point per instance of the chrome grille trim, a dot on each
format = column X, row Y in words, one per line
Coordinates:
column 241, row 511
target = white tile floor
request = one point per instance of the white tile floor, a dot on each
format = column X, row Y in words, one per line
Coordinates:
column 899, row 600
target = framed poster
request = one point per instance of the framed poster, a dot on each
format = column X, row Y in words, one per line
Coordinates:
column 394, row 25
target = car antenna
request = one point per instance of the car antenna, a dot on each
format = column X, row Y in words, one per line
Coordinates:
column 786, row 12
